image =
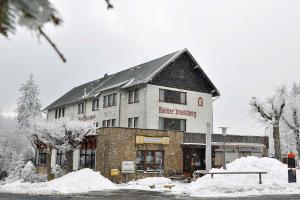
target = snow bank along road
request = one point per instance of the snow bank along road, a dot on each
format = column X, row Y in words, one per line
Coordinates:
column 86, row 181
column 134, row 195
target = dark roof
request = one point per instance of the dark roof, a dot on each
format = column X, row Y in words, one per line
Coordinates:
column 133, row 76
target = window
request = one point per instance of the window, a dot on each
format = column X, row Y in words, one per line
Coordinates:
column 59, row 112
column 133, row 122
column 109, row 123
column 42, row 157
column 87, row 158
column 113, row 123
column 60, row 158
column 149, row 161
column 95, row 105
column 172, row 124
column 170, row 96
column 109, row 100
column 80, row 108
column 133, row 96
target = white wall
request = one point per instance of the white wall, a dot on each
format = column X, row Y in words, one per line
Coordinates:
column 134, row 109
column 194, row 125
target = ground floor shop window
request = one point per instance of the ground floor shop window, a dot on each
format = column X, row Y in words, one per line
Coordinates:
column 87, row 158
column 149, row 161
column 61, row 158
column 42, row 157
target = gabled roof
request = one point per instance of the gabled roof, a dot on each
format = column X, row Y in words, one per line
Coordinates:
column 133, row 76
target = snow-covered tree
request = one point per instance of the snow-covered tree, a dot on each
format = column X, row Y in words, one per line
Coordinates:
column 28, row 173
column 33, row 15
column 28, row 104
column 61, row 134
column 57, row 171
column 14, row 146
column 291, row 115
column 270, row 112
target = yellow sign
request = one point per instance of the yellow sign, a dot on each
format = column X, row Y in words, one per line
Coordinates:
column 114, row 172
column 151, row 140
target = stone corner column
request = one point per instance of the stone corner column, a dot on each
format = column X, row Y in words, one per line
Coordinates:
column 76, row 157
column 53, row 158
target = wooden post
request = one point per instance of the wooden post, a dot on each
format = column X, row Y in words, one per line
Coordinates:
column 260, row 182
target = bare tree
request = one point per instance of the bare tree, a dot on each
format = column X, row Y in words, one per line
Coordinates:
column 291, row 117
column 271, row 112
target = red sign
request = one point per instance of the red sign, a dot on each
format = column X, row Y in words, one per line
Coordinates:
column 177, row 112
column 200, row 101
column 291, row 155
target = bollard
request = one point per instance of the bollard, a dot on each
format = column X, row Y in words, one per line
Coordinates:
column 292, row 178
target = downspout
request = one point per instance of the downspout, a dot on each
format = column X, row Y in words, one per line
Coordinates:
column 212, row 124
column 120, row 108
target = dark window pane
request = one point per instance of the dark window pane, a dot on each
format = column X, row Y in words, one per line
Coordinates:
column 108, row 123
column 113, row 123
column 136, row 95
column 129, row 122
column 172, row 124
column 130, row 96
column 136, row 122
column 149, row 157
column 170, row 96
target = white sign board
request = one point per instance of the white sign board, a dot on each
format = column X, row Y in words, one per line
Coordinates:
column 127, row 167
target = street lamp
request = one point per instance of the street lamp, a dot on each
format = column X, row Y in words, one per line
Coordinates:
column 224, row 129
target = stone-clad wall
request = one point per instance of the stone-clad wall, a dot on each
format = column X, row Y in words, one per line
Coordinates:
column 115, row 145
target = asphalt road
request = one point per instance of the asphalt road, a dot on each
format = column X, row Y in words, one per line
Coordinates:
column 133, row 195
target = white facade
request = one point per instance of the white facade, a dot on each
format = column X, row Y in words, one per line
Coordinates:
column 147, row 109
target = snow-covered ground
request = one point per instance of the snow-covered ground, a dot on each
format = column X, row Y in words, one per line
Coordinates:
column 275, row 182
column 84, row 180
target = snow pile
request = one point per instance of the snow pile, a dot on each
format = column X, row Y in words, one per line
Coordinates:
column 149, row 183
column 81, row 181
column 275, row 182
column 153, row 181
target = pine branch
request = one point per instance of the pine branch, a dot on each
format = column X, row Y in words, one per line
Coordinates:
column 52, row 44
column 109, row 5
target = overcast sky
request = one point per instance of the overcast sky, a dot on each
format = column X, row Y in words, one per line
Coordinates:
column 247, row 48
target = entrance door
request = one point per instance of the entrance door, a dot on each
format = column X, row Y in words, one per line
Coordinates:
column 193, row 159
